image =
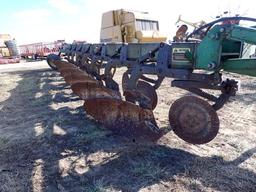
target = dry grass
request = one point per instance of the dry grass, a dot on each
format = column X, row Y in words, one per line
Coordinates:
column 48, row 144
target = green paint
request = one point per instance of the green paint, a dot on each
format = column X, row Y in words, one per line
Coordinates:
column 241, row 66
column 209, row 49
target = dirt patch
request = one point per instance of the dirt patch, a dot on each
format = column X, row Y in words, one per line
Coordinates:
column 48, row 144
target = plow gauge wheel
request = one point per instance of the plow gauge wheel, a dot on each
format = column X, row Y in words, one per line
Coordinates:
column 194, row 120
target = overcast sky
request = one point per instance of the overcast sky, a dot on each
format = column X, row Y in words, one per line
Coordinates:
column 32, row 21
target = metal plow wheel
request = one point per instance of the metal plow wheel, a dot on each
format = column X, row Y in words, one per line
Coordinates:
column 91, row 90
column 124, row 118
column 194, row 120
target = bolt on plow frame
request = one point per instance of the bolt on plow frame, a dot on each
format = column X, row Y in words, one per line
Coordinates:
column 194, row 65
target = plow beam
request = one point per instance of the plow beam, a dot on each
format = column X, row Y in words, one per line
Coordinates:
column 241, row 66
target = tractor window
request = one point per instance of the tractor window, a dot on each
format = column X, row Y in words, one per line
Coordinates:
column 146, row 25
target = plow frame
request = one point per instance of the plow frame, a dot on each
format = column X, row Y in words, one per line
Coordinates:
column 150, row 59
column 195, row 66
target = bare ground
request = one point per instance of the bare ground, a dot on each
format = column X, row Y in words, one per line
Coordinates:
column 48, row 144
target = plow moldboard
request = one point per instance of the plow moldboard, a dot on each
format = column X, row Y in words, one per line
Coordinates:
column 124, row 118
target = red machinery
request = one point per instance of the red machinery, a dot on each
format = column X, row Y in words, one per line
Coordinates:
column 9, row 60
column 39, row 50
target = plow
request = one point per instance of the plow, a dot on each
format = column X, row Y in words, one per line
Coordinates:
column 194, row 64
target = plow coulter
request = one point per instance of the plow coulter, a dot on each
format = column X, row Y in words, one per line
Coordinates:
column 194, row 65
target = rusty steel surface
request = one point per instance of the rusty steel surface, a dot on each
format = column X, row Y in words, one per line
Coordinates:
column 124, row 118
column 66, row 67
column 60, row 64
column 76, row 78
column 68, row 71
column 194, row 120
column 144, row 91
column 89, row 90
column 147, row 91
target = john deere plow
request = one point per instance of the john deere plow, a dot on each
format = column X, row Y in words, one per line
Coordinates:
column 195, row 65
